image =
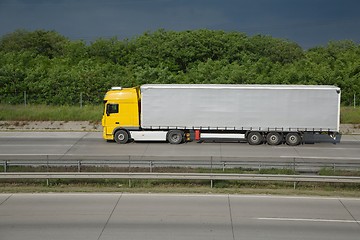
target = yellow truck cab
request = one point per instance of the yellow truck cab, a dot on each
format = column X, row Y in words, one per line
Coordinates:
column 121, row 111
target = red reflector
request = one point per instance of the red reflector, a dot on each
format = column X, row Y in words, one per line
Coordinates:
column 197, row 135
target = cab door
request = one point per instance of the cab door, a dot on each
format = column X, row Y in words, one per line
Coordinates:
column 112, row 117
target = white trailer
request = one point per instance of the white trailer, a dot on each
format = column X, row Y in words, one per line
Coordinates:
column 258, row 113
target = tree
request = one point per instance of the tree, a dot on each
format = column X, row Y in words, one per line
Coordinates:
column 40, row 42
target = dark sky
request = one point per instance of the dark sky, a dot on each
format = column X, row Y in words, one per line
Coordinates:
column 307, row 22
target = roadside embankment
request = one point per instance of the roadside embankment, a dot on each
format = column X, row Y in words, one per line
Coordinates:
column 85, row 126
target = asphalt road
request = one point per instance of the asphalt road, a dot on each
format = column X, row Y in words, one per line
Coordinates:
column 161, row 216
column 62, row 145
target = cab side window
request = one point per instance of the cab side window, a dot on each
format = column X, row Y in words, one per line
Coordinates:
column 112, row 108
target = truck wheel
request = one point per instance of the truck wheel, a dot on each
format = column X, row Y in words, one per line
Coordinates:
column 274, row 138
column 293, row 139
column 121, row 137
column 175, row 136
column 255, row 138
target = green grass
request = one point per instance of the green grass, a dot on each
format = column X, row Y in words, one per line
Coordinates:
column 94, row 113
column 331, row 172
column 350, row 115
column 179, row 186
column 50, row 113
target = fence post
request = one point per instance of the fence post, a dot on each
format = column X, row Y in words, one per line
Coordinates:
column 47, row 168
column 151, row 165
column 224, row 164
column 47, row 163
column 129, row 157
column 81, row 100
column 211, row 169
column 79, row 166
column 129, row 170
column 25, row 98
column 354, row 100
column 294, row 169
column 5, row 165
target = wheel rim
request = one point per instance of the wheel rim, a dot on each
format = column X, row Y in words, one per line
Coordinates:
column 255, row 138
column 293, row 139
column 273, row 138
column 121, row 137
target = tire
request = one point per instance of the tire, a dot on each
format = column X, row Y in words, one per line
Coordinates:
column 293, row 139
column 274, row 138
column 255, row 138
column 121, row 137
column 175, row 136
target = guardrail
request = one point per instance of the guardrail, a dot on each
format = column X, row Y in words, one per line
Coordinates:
column 299, row 164
column 180, row 176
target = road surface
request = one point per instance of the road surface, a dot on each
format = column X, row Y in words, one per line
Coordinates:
column 163, row 217
column 64, row 145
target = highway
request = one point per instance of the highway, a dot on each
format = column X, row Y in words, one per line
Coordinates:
column 63, row 145
column 176, row 216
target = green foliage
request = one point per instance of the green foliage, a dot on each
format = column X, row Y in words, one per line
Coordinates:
column 39, row 42
column 54, row 70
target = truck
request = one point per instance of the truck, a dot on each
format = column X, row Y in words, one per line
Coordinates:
column 257, row 114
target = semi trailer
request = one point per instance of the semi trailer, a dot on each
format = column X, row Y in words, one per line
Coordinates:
column 177, row 113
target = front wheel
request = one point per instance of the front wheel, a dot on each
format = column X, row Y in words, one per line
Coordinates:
column 175, row 136
column 121, row 137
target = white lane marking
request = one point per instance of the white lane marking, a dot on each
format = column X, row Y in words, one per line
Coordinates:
column 35, row 145
column 32, row 154
column 294, row 197
column 320, row 148
column 332, row 158
column 309, row 220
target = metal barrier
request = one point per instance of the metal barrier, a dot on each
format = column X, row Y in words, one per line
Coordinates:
column 298, row 164
column 181, row 176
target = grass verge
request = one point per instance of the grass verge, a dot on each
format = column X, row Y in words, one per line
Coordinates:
column 91, row 113
column 350, row 115
column 183, row 186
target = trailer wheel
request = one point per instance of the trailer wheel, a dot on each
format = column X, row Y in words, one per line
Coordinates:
column 121, row 137
column 293, row 139
column 175, row 136
column 255, row 138
column 274, row 138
